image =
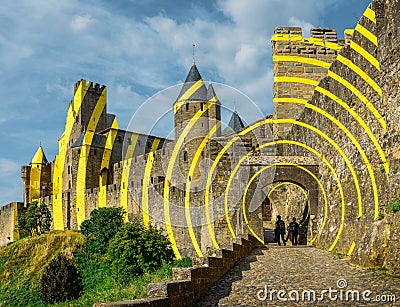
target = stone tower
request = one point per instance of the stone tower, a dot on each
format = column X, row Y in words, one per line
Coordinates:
column 36, row 177
column 197, row 111
column 299, row 64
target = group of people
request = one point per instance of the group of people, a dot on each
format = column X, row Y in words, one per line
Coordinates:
column 280, row 231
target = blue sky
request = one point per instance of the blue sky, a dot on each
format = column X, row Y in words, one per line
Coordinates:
column 136, row 48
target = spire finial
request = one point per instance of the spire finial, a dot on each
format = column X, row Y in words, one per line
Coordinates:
column 193, row 53
column 234, row 106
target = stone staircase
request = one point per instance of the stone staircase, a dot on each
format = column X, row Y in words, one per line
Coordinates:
column 189, row 284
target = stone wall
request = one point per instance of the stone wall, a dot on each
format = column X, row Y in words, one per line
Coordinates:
column 9, row 221
column 359, row 224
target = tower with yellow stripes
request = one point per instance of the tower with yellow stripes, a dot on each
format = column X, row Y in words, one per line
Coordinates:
column 295, row 57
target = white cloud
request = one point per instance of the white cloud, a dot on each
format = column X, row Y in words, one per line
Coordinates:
column 80, row 23
column 306, row 26
column 8, row 167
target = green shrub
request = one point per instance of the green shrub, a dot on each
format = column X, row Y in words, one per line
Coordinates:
column 394, row 206
column 135, row 250
column 60, row 281
column 103, row 224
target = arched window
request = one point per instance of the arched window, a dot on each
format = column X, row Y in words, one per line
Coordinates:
column 187, row 106
column 185, row 156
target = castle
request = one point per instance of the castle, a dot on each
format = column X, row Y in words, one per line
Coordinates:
column 330, row 151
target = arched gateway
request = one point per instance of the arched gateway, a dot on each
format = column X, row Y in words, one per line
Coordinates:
column 301, row 172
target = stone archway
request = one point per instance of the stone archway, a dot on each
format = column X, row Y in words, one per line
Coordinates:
column 288, row 199
column 303, row 174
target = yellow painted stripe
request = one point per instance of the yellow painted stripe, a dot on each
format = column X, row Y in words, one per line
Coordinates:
column 349, row 31
column 208, row 186
column 146, row 183
column 311, row 40
column 59, row 161
column 105, row 162
column 168, row 176
column 84, row 156
column 287, row 37
column 367, row 34
column 361, row 73
column 342, row 81
column 296, row 80
column 321, row 42
column 353, row 245
column 360, row 96
column 126, row 170
column 352, row 138
column 370, row 14
column 185, row 96
column 368, row 56
column 35, row 175
column 188, row 185
column 301, row 189
column 16, row 230
column 300, row 59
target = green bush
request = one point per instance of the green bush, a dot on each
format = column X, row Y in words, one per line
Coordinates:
column 60, row 281
column 103, row 224
column 135, row 250
column 394, row 206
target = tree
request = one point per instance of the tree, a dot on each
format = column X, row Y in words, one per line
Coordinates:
column 103, row 224
column 35, row 220
column 60, row 281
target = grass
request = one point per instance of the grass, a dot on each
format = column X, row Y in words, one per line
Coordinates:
column 383, row 271
column 22, row 263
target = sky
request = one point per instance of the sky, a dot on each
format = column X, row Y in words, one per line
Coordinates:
column 136, row 48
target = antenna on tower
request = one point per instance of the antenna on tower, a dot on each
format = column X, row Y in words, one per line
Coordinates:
column 193, row 53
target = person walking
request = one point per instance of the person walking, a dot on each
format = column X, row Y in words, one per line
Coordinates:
column 293, row 232
column 280, row 230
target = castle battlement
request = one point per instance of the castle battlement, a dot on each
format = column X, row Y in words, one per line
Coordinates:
column 95, row 88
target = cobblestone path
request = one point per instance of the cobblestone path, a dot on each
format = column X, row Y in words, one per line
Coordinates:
column 257, row 279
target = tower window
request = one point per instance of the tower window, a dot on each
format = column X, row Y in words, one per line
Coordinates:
column 187, row 106
column 95, row 152
column 201, row 106
column 185, row 156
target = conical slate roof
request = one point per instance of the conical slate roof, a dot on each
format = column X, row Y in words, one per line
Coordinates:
column 39, row 157
column 98, row 140
column 211, row 93
column 235, row 123
column 193, row 88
